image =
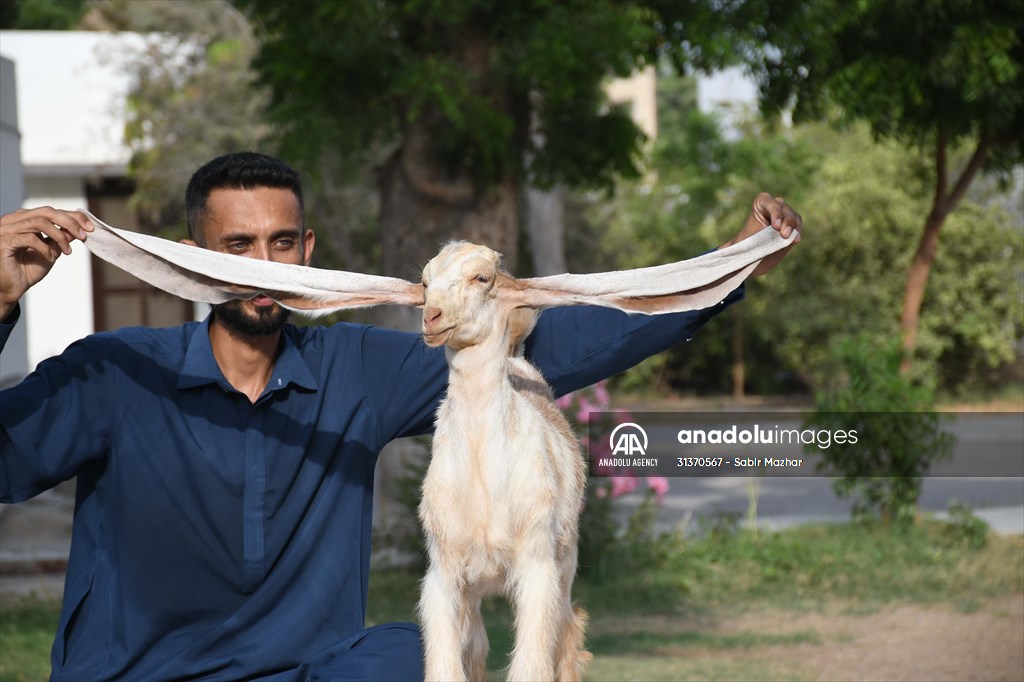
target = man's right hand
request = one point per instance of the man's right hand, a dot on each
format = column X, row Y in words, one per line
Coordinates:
column 31, row 240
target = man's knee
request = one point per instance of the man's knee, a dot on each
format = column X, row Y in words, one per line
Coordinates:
column 393, row 651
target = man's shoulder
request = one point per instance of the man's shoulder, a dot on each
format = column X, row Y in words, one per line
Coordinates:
column 153, row 340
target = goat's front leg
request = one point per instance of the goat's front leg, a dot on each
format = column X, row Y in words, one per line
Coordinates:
column 442, row 611
column 538, row 600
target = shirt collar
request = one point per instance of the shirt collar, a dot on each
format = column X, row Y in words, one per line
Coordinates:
column 200, row 367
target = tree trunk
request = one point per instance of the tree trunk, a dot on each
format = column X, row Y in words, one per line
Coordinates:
column 739, row 372
column 422, row 208
column 917, row 282
column 545, row 225
column 921, row 265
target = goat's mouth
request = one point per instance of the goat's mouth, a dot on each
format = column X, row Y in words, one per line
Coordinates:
column 434, row 339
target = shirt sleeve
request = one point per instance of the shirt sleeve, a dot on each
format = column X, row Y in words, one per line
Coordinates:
column 56, row 421
column 573, row 347
column 579, row 346
column 6, row 328
column 405, row 381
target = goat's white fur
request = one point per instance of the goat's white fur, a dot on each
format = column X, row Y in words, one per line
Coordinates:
column 502, row 495
column 501, row 498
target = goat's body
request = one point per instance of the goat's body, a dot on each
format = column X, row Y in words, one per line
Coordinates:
column 500, row 512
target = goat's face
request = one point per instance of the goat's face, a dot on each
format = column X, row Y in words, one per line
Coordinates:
column 462, row 306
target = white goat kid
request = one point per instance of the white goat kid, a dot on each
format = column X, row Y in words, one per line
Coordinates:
column 501, row 498
column 502, row 495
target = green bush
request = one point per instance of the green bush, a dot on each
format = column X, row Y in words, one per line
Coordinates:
column 964, row 528
column 899, row 435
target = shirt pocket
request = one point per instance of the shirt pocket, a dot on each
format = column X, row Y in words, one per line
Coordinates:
column 74, row 632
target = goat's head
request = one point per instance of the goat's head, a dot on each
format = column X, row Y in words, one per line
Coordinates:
column 469, row 298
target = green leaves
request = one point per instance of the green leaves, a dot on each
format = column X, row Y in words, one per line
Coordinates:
column 506, row 89
column 906, row 68
column 898, row 434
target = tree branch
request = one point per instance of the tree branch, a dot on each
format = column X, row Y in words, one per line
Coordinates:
column 939, row 202
column 416, row 166
column 976, row 163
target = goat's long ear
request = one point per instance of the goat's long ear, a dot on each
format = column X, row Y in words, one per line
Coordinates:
column 687, row 285
column 207, row 276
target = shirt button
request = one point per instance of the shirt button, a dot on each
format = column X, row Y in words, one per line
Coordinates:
column 278, row 382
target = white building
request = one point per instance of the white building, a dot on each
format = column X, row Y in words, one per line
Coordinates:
column 63, row 96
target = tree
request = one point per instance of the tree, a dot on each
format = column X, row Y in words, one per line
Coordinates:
column 466, row 102
column 851, row 281
column 848, row 278
column 191, row 95
column 694, row 195
column 947, row 75
column 41, row 15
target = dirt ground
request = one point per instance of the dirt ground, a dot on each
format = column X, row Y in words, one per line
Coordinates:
column 904, row 643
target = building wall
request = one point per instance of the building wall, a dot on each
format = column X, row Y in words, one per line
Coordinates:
column 14, row 358
column 70, row 105
column 640, row 91
column 58, row 310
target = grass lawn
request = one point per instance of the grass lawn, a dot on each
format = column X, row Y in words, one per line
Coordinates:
column 26, row 633
column 665, row 621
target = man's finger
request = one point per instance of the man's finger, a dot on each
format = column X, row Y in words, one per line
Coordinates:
column 39, row 225
column 47, row 248
column 76, row 223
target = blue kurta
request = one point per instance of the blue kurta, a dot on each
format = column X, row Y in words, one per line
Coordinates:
column 219, row 539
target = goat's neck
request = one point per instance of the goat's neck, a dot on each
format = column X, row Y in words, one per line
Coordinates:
column 478, row 371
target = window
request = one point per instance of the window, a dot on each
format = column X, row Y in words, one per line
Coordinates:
column 119, row 299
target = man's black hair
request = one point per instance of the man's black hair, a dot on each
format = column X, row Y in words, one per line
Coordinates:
column 238, row 170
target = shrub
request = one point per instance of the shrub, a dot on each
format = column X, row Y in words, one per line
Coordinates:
column 899, row 435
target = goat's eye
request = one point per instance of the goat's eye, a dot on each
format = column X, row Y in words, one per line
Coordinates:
column 483, row 279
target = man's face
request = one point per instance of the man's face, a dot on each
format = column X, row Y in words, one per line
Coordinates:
column 263, row 223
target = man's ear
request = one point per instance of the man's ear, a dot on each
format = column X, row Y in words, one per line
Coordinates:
column 308, row 241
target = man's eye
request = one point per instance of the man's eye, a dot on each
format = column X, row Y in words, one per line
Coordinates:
column 237, row 246
column 285, row 243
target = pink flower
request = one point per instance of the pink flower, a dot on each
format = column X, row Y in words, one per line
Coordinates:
column 601, row 395
column 623, row 485
column 601, row 492
column 599, row 448
column 565, row 402
column 600, row 470
column 659, row 484
column 583, row 414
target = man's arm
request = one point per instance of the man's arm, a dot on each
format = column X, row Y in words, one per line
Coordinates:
column 572, row 347
column 577, row 347
column 57, row 418
column 55, row 421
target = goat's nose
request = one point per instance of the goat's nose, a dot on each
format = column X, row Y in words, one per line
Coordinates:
column 431, row 314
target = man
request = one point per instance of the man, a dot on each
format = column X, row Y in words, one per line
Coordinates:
column 225, row 468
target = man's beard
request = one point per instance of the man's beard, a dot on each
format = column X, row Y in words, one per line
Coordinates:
column 264, row 321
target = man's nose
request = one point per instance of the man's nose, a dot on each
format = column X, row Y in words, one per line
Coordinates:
column 261, row 252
